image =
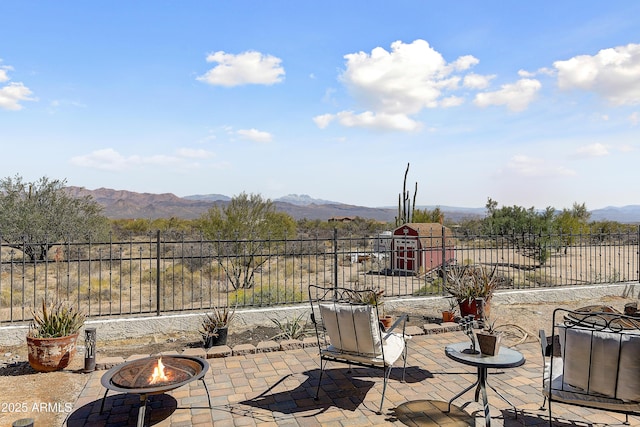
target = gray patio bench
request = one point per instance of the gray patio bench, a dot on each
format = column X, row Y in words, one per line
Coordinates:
column 592, row 360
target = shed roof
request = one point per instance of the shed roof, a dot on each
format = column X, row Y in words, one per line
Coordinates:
column 430, row 233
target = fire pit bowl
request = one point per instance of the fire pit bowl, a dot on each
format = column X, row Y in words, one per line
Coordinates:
column 153, row 375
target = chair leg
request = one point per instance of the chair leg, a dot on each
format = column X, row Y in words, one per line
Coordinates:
column 322, row 366
column 550, row 420
column 404, row 365
column 387, row 374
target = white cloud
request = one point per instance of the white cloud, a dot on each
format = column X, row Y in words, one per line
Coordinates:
column 370, row 120
column 593, row 150
column 380, row 121
column 516, row 96
column 403, row 81
column 12, row 94
column 56, row 105
column 323, row 120
column 4, row 76
column 194, row 153
column 245, row 68
column 634, row 118
column 451, row 101
column 255, row 135
column 532, row 167
column 109, row 159
column 530, row 74
column 105, row 159
column 477, row 81
column 612, row 73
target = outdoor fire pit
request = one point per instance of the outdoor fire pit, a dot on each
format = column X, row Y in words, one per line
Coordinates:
column 154, row 375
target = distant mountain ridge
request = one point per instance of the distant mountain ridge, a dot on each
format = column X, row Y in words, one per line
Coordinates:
column 294, row 199
column 123, row 204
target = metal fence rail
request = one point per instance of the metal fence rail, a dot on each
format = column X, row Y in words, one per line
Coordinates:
column 158, row 275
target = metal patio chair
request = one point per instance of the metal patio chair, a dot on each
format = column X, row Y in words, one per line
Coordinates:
column 349, row 331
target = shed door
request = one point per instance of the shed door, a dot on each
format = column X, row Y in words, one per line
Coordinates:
column 406, row 254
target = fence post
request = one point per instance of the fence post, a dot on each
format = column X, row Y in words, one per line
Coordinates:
column 335, row 258
column 444, row 260
column 158, row 273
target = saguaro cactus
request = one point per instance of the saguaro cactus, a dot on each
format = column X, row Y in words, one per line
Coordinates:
column 405, row 205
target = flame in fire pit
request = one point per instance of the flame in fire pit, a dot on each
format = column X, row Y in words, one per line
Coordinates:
column 158, row 375
column 156, row 372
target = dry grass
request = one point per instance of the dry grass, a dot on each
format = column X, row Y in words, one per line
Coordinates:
column 110, row 285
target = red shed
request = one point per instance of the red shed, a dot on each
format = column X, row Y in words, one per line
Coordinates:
column 421, row 247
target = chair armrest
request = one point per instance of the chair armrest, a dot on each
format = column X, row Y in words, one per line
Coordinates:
column 402, row 319
column 543, row 342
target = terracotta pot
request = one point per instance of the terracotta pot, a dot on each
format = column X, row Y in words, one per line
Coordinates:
column 448, row 316
column 489, row 343
column 51, row 354
column 387, row 321
column 470, row 307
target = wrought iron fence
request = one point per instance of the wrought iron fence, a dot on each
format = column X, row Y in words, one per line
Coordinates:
column 160, row 274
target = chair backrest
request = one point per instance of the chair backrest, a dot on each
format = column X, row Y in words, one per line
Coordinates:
column 352, row 327
column 349, row 318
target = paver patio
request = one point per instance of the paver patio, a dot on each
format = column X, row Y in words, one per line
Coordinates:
column 277, row 389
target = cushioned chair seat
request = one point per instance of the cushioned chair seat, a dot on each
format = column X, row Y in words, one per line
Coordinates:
column 393, row 347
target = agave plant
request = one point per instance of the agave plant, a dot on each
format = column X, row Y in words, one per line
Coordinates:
column 292, row 329
column 55, row 321
column 466, row 283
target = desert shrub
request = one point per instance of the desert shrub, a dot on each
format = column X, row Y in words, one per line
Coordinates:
column 147, row 276
column 266, row 295
column 179, row 284
column 6, row 297
column 430, row 288
column 539, row 278
column 98, row 291
column 128, row 268
column 309, row 264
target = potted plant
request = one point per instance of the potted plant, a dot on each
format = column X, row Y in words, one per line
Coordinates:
column 215, row 326
column 449, row 315
column 52, row 336
column 470, row 283
column 489, row 339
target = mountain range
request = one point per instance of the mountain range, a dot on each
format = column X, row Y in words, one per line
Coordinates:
column 123, row 204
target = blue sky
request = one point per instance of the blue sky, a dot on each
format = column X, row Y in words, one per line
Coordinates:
column 529, row 103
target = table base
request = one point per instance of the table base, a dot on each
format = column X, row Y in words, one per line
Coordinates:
column 481, row 388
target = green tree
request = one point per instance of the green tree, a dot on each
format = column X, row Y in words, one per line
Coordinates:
column 426, row 215
column 527, row 229
column 571, row 223
column 34, row 216
column 244, row 227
